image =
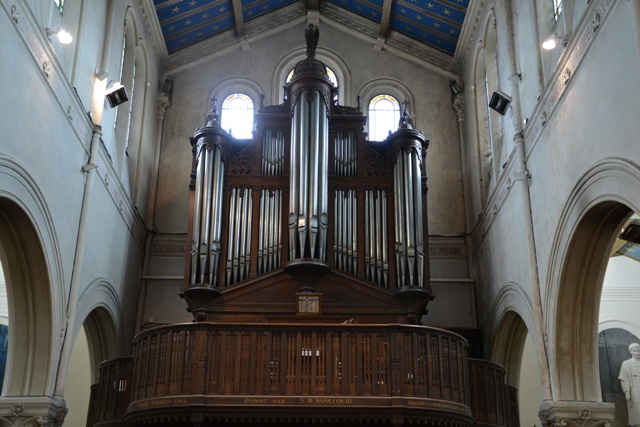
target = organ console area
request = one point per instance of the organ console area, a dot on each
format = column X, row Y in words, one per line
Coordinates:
column 308, row 281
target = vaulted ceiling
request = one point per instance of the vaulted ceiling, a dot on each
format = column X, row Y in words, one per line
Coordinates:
column 434, row 23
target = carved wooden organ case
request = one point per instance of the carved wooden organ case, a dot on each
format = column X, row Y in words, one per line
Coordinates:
column 308, row 206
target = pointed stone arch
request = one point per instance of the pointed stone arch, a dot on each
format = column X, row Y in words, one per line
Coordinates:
column 603, row 198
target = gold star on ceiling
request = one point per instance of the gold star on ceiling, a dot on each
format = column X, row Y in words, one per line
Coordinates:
column 447, row 12
column 176, row 9
column 403, row 11
column 452, row 31
column 430, row 5
column 436, row 24
column 419, row 17
column 187, row 22
column 205, row 15
column 171, row 28
column 221, row 10
column 192, row 3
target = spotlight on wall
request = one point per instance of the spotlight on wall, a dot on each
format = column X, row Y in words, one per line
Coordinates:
column 554, row 40
column 116, row 94
column 62, row 35
column 500, row 102
column 455, row 87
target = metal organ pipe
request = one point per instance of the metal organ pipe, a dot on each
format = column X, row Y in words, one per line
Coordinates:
column 207, row 143
column 309, row 176
column 410, row 233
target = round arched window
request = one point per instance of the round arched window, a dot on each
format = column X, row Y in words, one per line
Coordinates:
column 237, row 115
column 384, row 115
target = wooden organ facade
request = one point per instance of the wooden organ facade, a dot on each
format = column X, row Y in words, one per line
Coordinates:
column 308, row 277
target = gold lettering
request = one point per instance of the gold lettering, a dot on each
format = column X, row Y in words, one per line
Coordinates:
column 277, row 401
column 254, row 401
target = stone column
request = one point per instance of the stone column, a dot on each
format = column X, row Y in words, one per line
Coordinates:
column 575, row 413
column 32, row 412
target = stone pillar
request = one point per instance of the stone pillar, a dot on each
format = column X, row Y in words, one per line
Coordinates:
column 575, row 413
column 26, row 411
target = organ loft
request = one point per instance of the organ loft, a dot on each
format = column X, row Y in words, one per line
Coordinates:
column 308, row 281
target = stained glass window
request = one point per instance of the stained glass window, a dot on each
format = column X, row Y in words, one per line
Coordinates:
column 59, row 4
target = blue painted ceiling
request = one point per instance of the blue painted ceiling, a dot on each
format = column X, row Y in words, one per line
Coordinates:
column 437, row 23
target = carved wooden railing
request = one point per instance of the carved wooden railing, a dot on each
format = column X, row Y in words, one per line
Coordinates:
column 513, row 413
column 224, row 365
column 111, row 396
column 254, row 359
column 488, row 393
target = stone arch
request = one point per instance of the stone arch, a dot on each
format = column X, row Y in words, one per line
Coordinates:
column 232, row 85
column 100, row 311
column 511, row 319
column 328, row 57
column 391, row 87
column 602, row 199
column 32, row 268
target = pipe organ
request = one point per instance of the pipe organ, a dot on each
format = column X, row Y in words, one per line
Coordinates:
column 308, row 194
column 308, row 279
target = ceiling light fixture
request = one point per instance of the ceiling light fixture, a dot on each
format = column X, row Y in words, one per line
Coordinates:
column 553, row 40
column 62, row 35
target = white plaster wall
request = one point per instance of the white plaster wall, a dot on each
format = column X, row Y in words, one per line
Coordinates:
column 620, row 296
column 594, row 120
column 47, row 134
column 529, row 386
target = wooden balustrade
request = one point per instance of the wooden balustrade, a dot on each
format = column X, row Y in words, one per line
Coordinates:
column 375, row 366
column 488, row 393
column 109, row 401
column 513, row 414
column 349, row 360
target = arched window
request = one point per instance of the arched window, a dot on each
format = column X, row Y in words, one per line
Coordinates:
column 237, row 115
column 330, row 74
column 384, row 114
column 557, row 9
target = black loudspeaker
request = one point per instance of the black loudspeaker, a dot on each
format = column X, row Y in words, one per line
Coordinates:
column 117, row 96
column 500, row 102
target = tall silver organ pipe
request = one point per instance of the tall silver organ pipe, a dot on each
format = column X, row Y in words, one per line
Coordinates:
column 376, row 259
column 409, row 225
column 269, row 244
column 207, row 219
column 239, row 242
column 310, row 90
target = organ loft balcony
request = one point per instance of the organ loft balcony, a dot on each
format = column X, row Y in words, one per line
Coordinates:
column 308, row 281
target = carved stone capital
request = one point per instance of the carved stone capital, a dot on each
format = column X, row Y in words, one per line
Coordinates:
column 458, row 107
column 163, row 105
column 32, row 411
column 576, row 414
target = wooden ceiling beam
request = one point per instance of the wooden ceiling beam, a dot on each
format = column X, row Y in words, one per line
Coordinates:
column 386, row 18
column 239, row 21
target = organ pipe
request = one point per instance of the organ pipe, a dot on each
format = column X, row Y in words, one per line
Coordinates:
column 408, row 200
column 207, row 221
column 310, row 90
